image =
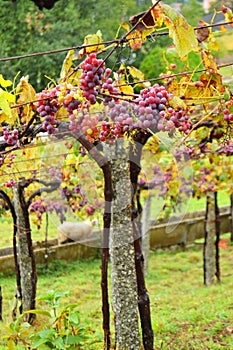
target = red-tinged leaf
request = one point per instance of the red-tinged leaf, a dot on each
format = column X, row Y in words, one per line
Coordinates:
column 214, row 80
column 148, row 19
column 143, row 21
column 126, row 26
column 202, row 34
column 209, row 61
column 135, row 40
column 158, row 14
column 227, row 14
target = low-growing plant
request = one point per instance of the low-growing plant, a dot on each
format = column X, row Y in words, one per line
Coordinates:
column 62, row 329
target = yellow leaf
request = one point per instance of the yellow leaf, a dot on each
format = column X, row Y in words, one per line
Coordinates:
column 180, row 31
column 67, row 64
column 26, row 94
column 127, row 90
column 70, row 159
column 136, row 73
column 177, row 102
column 26, row 91
column 223, row 29
column 5, row 107
column 10, row 97
column 4, row 83
column 94, row 40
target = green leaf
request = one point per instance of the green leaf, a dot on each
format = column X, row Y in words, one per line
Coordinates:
column 75, row 318
column 38, row 343
column 74, row 339
column 180, row 31
column 46, row 333
column 58, row 342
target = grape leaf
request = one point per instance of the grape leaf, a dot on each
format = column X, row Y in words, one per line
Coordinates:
column 67, row 64
column 136, row 39
column 209, row 61
column 147, row 20
column 94, row 40
column 26, row 94
column 136, row 73
column 5, row 99
column 227, row 14
column 4, row 83
column 202, row 34
column 126, row 26
column 180, row 31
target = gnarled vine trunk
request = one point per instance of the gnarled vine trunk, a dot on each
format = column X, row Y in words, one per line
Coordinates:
column 124, row 283
column 145, row 232
column 26, row 259
column 209, row 244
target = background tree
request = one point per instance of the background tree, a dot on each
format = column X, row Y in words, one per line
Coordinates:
column 193, row 11
column 64, row 26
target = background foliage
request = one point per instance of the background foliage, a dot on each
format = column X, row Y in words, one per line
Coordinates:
column 25, row 29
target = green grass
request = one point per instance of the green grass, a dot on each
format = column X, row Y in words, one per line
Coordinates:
column 185, row 314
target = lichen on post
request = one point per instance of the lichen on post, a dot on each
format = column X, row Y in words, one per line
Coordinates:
column 124, row 284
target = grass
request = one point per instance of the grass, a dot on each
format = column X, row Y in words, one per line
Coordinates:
column 185, row 314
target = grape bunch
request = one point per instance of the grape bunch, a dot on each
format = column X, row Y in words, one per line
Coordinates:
column 152, row 106
column 186, row 153
column 89, row 125
column 75, row 197
column 151, row 109
column 72, row 104
column 9, row 183
column 11, row 137
column 226, row 148
column 95, row 80
column 227, row 116
column 57, row 207
column 47, row 106
column 110, row 131
column 38, row 208
column 91, row 77
column 90, row 210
